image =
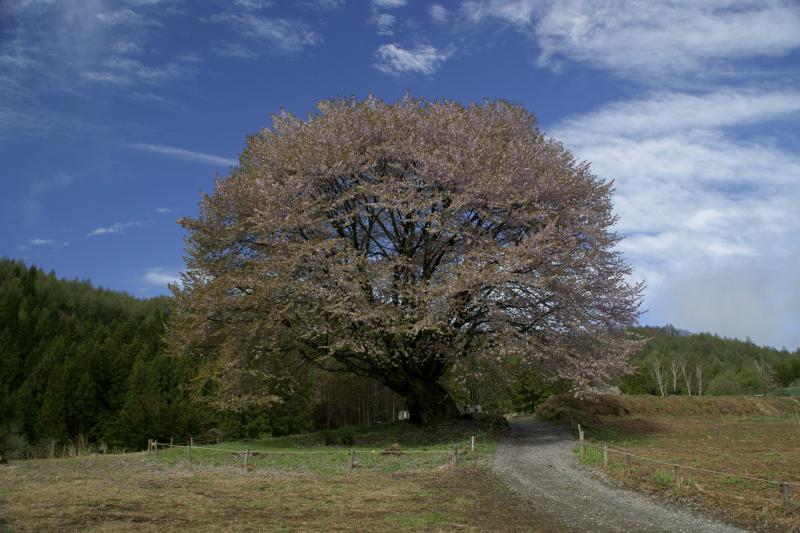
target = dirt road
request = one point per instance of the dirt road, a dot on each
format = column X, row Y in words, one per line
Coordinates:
column 537, row 461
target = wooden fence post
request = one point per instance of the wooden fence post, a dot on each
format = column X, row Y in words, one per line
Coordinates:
column 149, row 445
column 580, row 438
column 786, row 492
column 246, row 454
column 472, row 443
column 628, row 467
column 189, row 449
column 352, row 458
column 454, row 459
column 677, row 476
column 605, row 456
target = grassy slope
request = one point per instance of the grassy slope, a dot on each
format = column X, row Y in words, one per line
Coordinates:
column 756, row 437
column 280, row 492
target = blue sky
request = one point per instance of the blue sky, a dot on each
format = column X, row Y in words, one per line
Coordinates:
column 115, row 115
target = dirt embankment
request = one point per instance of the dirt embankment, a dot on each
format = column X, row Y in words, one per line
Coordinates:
column 566, row 409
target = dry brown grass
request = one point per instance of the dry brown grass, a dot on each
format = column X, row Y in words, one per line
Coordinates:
column 753, row 437
column 136, row 492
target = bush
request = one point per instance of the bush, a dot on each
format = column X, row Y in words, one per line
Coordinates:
column 569, row 410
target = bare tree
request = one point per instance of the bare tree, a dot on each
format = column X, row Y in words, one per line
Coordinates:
column 698, row 369
column 659, row 375
column 399, row 242
column 687, row 377
column 674, row 368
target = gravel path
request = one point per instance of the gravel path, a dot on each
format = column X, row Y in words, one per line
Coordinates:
column 537, row 461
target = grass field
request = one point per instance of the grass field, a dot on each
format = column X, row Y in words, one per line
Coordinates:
column 282, row 489
column 753, row 437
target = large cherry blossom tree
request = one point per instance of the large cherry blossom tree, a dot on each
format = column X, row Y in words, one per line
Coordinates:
column 403, row 242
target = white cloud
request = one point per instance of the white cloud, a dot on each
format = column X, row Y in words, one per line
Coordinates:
column 70, row 46
column 322, row 4
column 37, row 243
column 115, row 228
column 660, row 37
column 389, row 4
column 59, row 180
column 670, row 112
column 30, row 206
column 649, row 40
column 423, row 59
column 252, row 5
column 121, row 70
column 439, row 13
column 126, row 47
column 710, row 215
column 515, row 12
column 186, row 155
column 147, row 97
column 280, row 35
column 125, row 17
column 229, row 49
column 161, row 276
column 384, row 23
column 164, row 210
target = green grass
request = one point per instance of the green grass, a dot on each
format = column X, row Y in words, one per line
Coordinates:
column 663, row 478
column 591, row 455
column 419, row 448
column 280, row 491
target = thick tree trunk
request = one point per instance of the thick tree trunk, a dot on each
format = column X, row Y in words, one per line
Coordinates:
column 429, row 403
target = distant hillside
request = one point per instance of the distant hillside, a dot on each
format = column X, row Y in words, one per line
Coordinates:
column 677, row 362
column 77, row 360
column 79, row 364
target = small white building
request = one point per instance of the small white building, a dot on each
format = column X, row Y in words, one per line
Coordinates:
column 403, row 415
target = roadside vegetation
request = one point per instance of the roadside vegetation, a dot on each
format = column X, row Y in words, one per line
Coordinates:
column 748, row 436
column 283, row 490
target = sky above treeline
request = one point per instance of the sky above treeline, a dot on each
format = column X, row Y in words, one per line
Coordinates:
column 116, row 115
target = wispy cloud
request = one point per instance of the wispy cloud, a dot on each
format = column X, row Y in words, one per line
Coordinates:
column 439, row 13
column 666, row 111
column 38, row 243
column 709, row 215
column 125, row 17
column 162, row 276
column 253, row 5
column 424, row 59
column 264, row 35
column 165, row 210
column 77, row 47
column 118, row 70
column 186, row 155
column 516, row 12
column 384, row 23
column 30, row 206
column 322, row 4
column 650, row 41
column 115, row 228
column 389, row 4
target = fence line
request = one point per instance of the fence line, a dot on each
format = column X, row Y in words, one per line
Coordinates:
column 666, row 463
column 784, row 486
column 154, row 445
column 299, row 452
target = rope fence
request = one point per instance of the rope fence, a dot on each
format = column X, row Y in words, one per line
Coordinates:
column 784, row 486
column 153, row 446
